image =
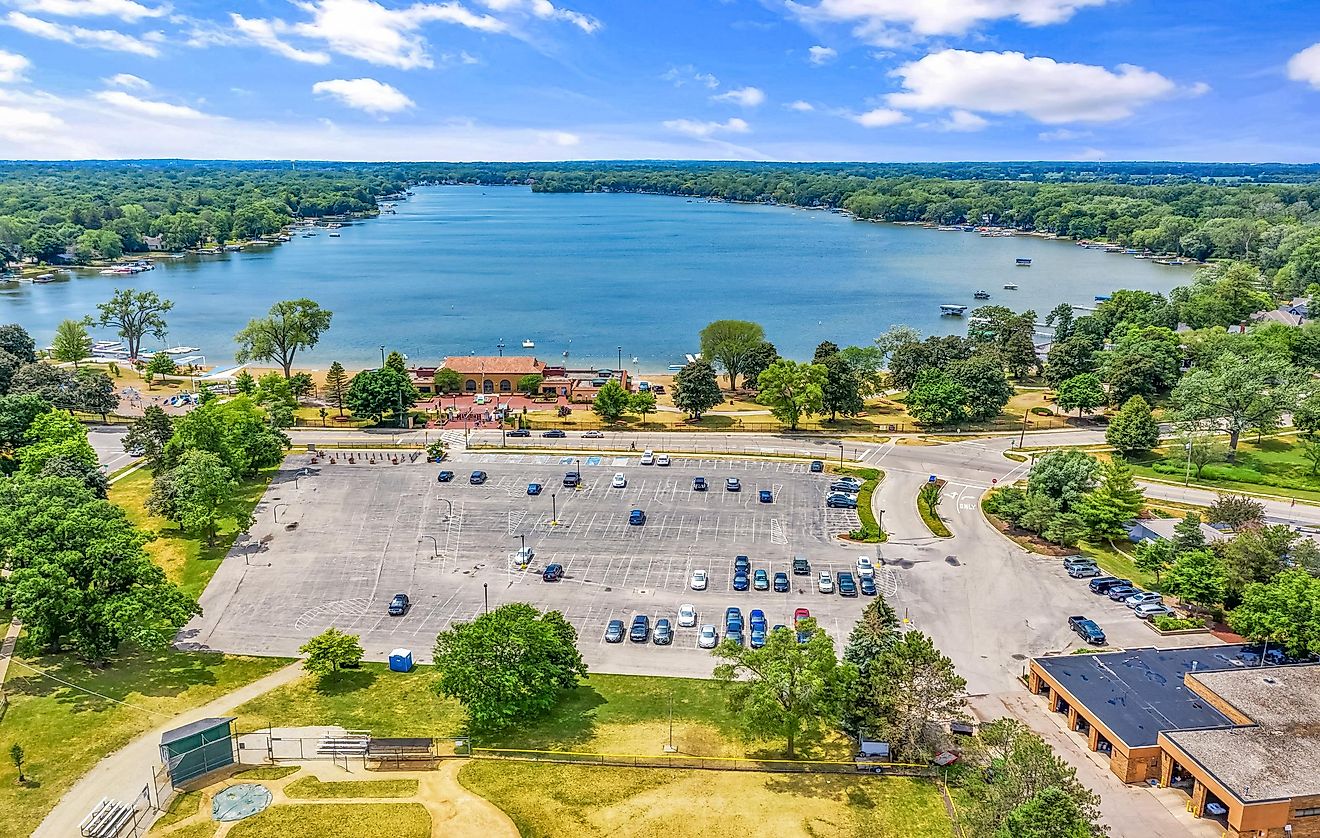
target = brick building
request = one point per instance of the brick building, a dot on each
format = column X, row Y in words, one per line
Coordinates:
column 1244, row 742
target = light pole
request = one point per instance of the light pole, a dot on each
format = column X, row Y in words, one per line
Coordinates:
column 620, row 357
column 1187, row 472
column 485, row 598
column 554, row 512
column 275, row 510
column 880, row 520
column 435, row 546
column 840, row 444
column 500, row 346
column 578, row 463
column 1022, row 438
column 382, row 356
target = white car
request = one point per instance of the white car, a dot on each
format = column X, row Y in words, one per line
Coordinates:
column 707, row 638
column 825, row 584
column 1143, row 598
column 662, row 460
column 865, row 568
column 619, row 481
column 687, row 615
column 648, row 458
column 1151, row 610
column 699, row 580
column 522, row 557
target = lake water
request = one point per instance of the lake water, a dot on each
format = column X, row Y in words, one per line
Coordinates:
column 460, row 269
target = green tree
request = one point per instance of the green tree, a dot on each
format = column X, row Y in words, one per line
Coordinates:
column 936, row 399
column 985, row 386
column 910, row 685
column 96, row 392
column 275, row 395
column 54, row 435
column 16, row 416
column 611, row 402
column 1197, row 576
column 1069, row 358
column 696, row 389
column 55, row 386
column 135, row 314
column 237, row 430
column 1257, row 555
column 1144, row 362
column 1113, row 503
column 642, row 403
column 528, row 384
column 728, row 343
column 17, row 757
column 758, row 361
column 868, row 364
column 149, row 434
column 71, row 343
column 194, row 494
column 15, row 340
column 336, row 385
column 1134, row 428
column 1050, row 814
column 1154, row 557
column 375, row 393
column 397, row 362
column 81, row 578
column 449, row 381
column 331, row 651
column 245, row 383
column 162, row 364
column 1082, row 392
column 1065, row 476
column 785, row 688
column 842, row 390
column 301, row 385
column 290, row 326
column 509, row 666
column 791, row 389
column 1223, row 295
column 1200, row 447
column 1285, row 611
column 1238, row 392
column 1236, row 511
column 1187, row 534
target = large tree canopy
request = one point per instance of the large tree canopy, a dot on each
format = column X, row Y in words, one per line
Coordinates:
column 729, row 343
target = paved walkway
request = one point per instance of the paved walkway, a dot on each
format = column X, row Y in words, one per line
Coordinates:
column 122, row 775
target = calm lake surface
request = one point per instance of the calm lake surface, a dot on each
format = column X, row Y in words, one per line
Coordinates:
column 461, row 268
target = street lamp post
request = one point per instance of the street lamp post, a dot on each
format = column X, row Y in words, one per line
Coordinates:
column 382, row 356
column 485, row 598
column 620, row 357
column 1187, row 472
column 435, row 546
column 840, row 444
column 1022, row 437
column 554, row 512
column 275, row 510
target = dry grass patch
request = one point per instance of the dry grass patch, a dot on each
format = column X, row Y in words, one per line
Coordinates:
column 201, row 829
column 311, row 788
column 337, row 820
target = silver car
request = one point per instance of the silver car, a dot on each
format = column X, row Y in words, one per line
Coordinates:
column 1143, row 598
column 707, row 638
column 826, row 583
column 1151, row 610
column 687, row 615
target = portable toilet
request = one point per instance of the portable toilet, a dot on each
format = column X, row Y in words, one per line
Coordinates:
column 401, row 660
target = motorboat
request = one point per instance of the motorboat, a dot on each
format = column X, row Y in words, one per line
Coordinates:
column 952, row 310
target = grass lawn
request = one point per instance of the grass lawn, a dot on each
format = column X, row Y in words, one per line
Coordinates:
column 870, row 532
column 589, row 801
column 183, row 806
column 311, row 788
column 337, row 820
column 65, row 731
column 1114, row 563
column 1273, row 466
column 186, row 558
column 201, row 829
column 267, row 772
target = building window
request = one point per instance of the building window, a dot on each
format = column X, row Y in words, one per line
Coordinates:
column 1309, row 812
column 470, row 386
column 505, row 386
column 487, row 386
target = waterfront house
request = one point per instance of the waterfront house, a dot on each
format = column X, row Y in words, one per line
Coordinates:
column 489, row 373
column 1293, row 313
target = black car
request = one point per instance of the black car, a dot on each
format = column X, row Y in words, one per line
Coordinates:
column 614, row 631
column 742, row 563
column 847, row 587
column 740, row 580
column 399, row 605
column 444, row 476
column 553, row 572
column 699, row 484
column 817, row 466
column 572, row 479
column 641, row 629
column 781, row 583
column 801, row 567
column 477, row 478
column 837, row 500
column 867, row 585
column 554, row 434
column 1103, row 583
column 1087, row 630
column 520, row 432
column 664, row 634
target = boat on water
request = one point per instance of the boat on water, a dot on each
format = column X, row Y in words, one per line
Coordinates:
column 981, row 295
column 529, row 344
column 1023, row 262
column 309, row 234
column 334, row 235
column 1113, row 249
column 1010, row 286
column 675, row 367
column 43, row 278
column 951, row 310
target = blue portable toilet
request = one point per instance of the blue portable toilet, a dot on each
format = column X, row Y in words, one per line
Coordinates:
column 401, row 660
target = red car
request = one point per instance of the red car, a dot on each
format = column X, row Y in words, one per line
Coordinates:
column 801, row 614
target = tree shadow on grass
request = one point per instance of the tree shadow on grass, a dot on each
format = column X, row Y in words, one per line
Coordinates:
column 345, row 682
column 572, row 722
column 133, row 672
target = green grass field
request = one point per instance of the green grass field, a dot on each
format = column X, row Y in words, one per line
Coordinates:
column 337, row 820
column 1271, row 467
column 66, row 730
column 311, row 788
column 578, row 801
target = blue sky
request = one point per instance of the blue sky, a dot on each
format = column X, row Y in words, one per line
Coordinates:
column 598, row 79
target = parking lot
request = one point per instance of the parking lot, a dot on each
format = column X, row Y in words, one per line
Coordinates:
column 350, row 536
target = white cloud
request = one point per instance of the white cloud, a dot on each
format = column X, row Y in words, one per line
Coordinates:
column 146, row 107
column 22, row 125
column 364, row 29
column 365, row 95
column 78, row 36
column 680, row 76
column 801, row 105
column 1042, row 88
column 822, row 55
column 879, row 118
column 126, row 10
column 748, row 97
column 960, row 120
column 12, row 67
column 889, row 22
column 545, row 10
column 1063, row 135
column 564, row 139
column 128, row 81
column 702, row 130
column 1305, row 66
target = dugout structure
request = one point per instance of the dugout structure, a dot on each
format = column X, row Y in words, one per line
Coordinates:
column 198, row 748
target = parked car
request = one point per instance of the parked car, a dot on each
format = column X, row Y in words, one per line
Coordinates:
column 399, row 605
column 758, row 637
column 761, row 580
column 556, row 434
column 1082, row 571
column 620, row 481
column 1104, row 583
column 699, row 484
column 662, row 459
column 780, row 583
column 553, row 572
column 801, row 567
column 732, row 484
column 803, row 636
column 523, row 556
column 687, row 615
column 867, row 584
column 865, row 567
column 1151, row 610
column 854, row 483
column 477, row 478
column 533, row 488
column 572, row 480
column 444, row 476
column 519, row 432
column 847, row 587
column 741, row 581
column 817, row 466
column 614, row 631
column 839, row 501
column 1073, row 561
column 733, row 618
column 766, row 496
column 648, row 458
column 800, row 614
column 1143, row 598
column 664, row 634
column 757, row 618
column 742, row 563
column 593, row 435
column 707, row 638
column 699, row 580
column 641, row 629
column 825, row 583
column 1087, row 630
column 1118, row 593
column 736, row 636
column 637, row 517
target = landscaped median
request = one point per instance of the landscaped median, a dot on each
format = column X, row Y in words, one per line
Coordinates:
column 928, row 501
column 870, row 531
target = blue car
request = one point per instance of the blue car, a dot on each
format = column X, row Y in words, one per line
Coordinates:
column 756, row 617
column 741, row 581
column 533, row 488
column 766, row 496
column 477, row 478
column 758, row 637
column 736, row 637
column 444, row 476
column 553, row 572
column 637, row 517
column 733, row 619
column 761, row 580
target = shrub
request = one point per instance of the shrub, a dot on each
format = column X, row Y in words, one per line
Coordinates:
column 1165, row 622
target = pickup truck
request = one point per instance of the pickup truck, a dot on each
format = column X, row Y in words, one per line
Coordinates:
column 1087, row 630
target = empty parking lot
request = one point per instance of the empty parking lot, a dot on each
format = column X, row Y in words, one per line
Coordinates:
column 350, row 536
